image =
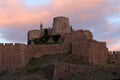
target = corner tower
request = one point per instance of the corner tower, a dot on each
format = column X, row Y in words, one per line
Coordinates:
column 61, row 25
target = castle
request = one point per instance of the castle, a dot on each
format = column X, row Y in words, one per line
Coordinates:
column 59, row 39
column 61, row 26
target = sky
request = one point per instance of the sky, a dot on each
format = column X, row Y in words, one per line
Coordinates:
column 101, row 17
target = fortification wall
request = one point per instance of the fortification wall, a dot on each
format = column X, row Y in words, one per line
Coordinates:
column 18, row 55
column 91, row 51
column 13, row 56
column 40, row 50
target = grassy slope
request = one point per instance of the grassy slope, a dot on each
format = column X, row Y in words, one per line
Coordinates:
column 55, row 58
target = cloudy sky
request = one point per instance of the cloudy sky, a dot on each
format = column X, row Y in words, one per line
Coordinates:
column 102, row 17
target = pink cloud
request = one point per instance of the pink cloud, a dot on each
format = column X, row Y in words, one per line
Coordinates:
column 16, row 17
column 16, row 13
column 114, row 48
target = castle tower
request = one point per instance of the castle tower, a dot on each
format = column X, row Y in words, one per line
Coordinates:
column 61, row 25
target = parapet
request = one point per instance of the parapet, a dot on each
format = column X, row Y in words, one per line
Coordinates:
column 12, row 44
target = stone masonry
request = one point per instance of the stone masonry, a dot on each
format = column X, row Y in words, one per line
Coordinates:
column 80, row 43
column 61, row 26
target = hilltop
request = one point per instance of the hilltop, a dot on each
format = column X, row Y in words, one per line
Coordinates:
column 59, row 53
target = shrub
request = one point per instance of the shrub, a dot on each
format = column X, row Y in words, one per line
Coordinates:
column 56, row 37
column 32, row 70
column 29, row 42
column 41, row 40
column 36, row 41
column 46, row 32
column 44, row 39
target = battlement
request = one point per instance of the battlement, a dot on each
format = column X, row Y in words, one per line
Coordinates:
column 12, row 44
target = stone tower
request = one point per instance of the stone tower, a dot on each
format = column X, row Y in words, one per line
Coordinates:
column 61, row 25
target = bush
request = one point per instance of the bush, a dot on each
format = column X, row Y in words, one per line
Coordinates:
column 29, row 42
column 41, row 40
column 46, row 32
column 36, row 41
column 56, row 37
column 44, row 39
column 32, row 70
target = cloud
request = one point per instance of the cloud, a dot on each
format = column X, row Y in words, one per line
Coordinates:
column 17, row 18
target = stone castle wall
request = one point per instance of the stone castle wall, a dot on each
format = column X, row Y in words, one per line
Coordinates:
column 18, row 55
column 40, row 50
column 83, row 45
column 14, row 56
column 85, row 48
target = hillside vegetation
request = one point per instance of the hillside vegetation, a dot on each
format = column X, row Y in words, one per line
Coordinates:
column 34, row 69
